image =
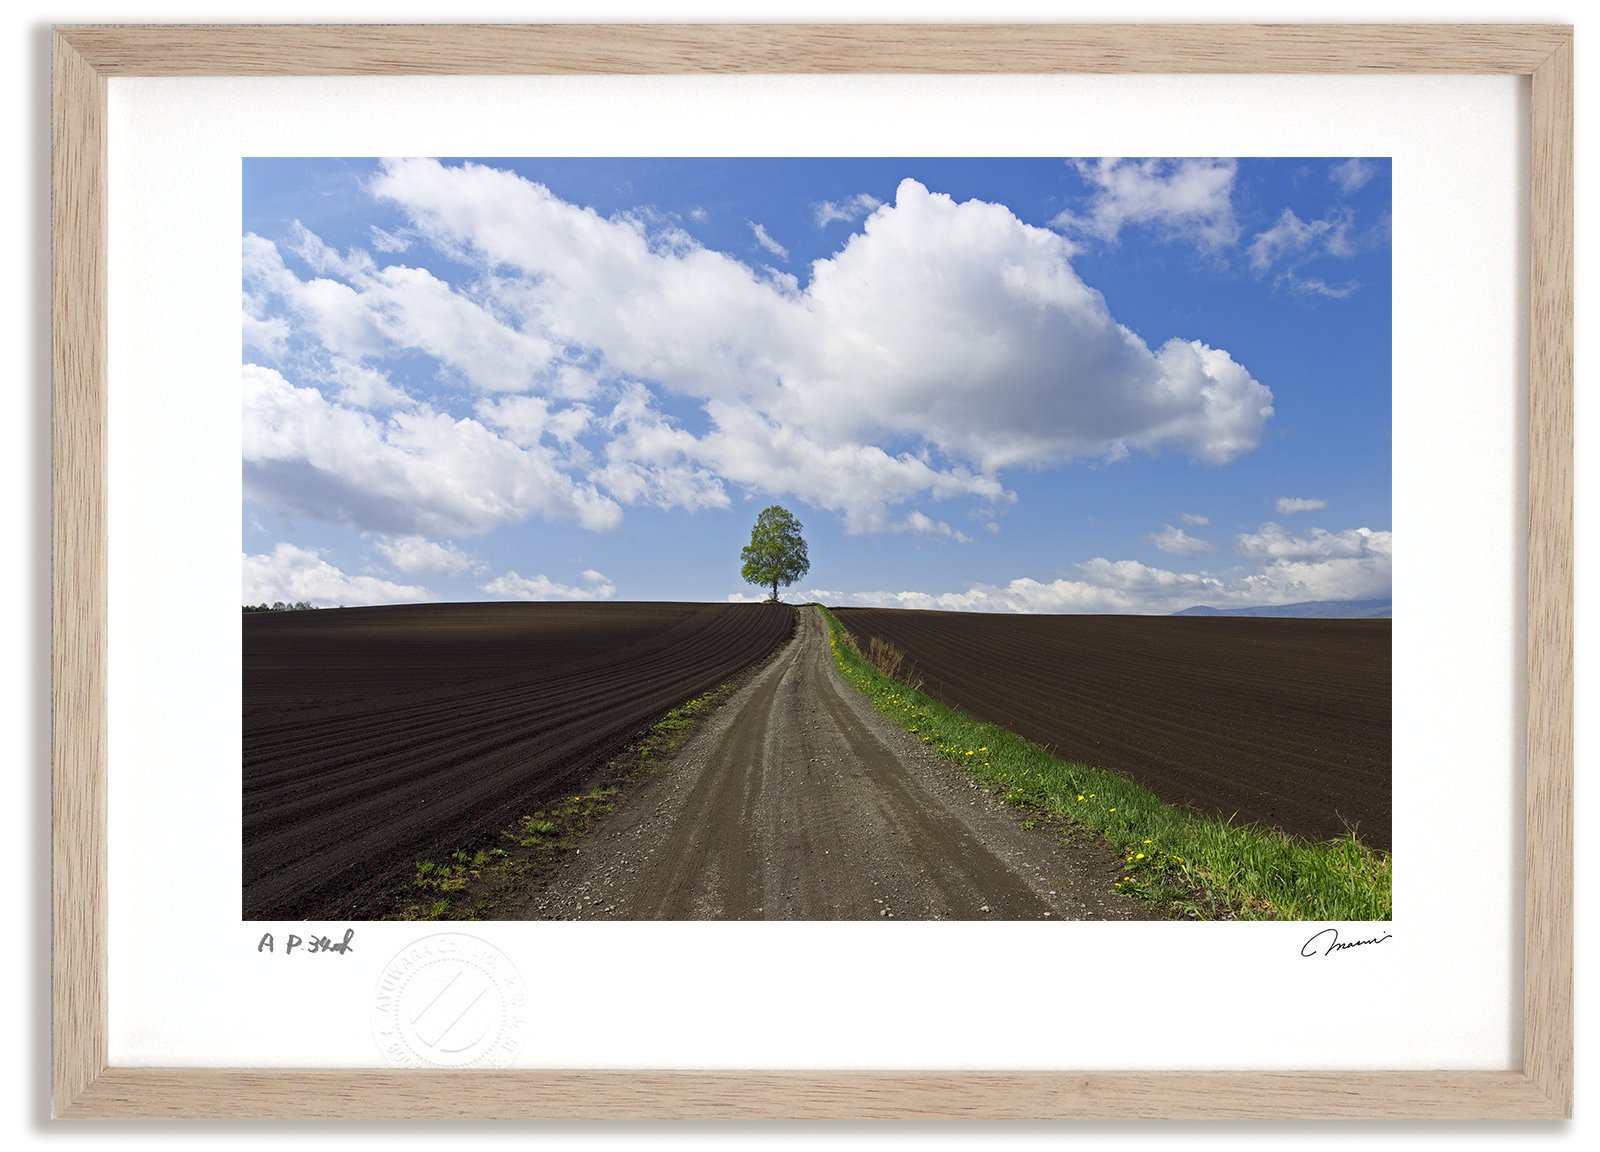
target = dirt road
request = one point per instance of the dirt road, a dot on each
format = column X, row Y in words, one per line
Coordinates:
column 796, row 800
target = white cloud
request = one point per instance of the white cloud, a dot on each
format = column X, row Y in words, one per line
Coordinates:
column 361, row 386
column 1311, row 286
column 529, row 419
column 767, row 242
column 1292, row 238
column 1352, row 174
column 290, row 574
column 325, row 259
column 1289, row 505
column 1103, row 586
column 953, row 331
column 852, row 208
column 417, row 554
column 1194, row 520
column 923, row 525
column 1274, row 542
column 1178, row 542
column 650, row 461
column 328, row 311
column 268, row 335
column 418, row 471
column 372, row 312
column 1290, row 234
column 595, row 586
column 389, row 242
column 1353, row 565
column 1191, row 200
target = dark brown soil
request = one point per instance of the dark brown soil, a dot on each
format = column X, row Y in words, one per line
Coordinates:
column 377, row 737
column 1281, row 721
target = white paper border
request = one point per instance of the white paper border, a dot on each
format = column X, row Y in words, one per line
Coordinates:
column 188, row 988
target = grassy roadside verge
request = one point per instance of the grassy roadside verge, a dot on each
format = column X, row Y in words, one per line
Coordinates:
column 1196, row 865
column 496, row 878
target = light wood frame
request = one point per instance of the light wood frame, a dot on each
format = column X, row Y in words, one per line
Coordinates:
column 83, row 1083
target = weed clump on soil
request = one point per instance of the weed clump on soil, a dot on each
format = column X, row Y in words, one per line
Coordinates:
column 890, row 661
column 1192, row 863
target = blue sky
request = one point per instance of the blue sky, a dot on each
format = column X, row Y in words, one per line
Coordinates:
column 985, row 384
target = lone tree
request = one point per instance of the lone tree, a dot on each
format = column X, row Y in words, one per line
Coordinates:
column 776, row 553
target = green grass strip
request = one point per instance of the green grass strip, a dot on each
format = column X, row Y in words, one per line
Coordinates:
column 1196, row 865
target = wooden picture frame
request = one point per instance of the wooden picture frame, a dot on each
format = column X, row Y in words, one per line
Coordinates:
column 84, row 1085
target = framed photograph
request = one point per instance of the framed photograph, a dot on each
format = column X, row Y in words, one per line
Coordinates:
column 541, row 305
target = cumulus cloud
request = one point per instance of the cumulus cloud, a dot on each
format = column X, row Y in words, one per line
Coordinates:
column 951, row 330
column 1189, row 200
column 268, row 335
column 290, row 574
column 852, row 208
column 595, row 586
column 767, row 242
column 1178, row 542
column 368, row 312
column 1352, row 565
column 1274, row 542
column 1194, row 520
column 1352, row 174
column 418, row 554
column 650, row 460
column 361, row 386
column 1288, row 505
column 415, row 472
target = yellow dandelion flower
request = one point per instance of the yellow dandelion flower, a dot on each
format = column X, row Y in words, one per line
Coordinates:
column 1140, row 856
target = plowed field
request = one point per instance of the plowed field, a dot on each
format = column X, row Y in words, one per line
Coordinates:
column 1284, row 722
column 374, row 737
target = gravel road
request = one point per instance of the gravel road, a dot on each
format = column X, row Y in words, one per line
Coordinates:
column 796, row 800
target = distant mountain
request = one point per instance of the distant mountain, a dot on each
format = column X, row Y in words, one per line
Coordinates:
column 1322, row 609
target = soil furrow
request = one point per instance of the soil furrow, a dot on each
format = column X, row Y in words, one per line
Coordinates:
column 1281, row 721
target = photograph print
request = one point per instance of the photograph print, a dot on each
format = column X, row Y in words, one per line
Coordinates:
column 816, row 539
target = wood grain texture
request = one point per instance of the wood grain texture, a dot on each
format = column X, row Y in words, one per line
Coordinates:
column 411, row 50
column 83, row 1084
column 663, row 1095
column 78, row 574
column 1548, row 940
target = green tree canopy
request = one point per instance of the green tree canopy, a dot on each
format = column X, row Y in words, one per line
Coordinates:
column 776, row 553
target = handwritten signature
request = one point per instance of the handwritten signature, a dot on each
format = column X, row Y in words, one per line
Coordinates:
column 1313, row 947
